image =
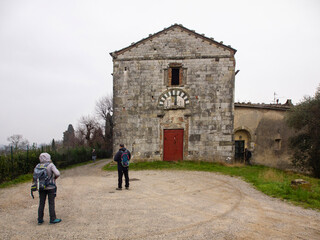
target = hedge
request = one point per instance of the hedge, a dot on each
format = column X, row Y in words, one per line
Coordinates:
column 23, row 162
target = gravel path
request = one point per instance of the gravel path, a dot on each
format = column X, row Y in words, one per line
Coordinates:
column 159, row 205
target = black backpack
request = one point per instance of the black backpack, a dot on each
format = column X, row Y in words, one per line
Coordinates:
column 41, row 179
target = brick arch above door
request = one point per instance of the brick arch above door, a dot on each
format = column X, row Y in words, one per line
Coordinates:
column 174, row 98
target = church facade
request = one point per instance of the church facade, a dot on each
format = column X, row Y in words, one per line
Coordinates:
column 173, row 96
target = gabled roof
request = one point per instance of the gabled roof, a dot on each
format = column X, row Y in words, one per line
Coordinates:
column 202, row 36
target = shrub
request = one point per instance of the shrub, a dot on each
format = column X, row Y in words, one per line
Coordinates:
column 23, row 162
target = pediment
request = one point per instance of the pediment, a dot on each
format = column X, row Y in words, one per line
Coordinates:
column 174, row 42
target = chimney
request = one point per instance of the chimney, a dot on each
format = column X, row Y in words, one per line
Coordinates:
column 288, row 102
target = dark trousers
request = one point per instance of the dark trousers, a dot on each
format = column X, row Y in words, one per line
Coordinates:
column 42, row 201
column 123, row 171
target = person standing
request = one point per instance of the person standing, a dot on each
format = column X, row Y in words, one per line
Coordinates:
column 122, row 170
column 50, row 191
column 247, row 155
column 94, row 155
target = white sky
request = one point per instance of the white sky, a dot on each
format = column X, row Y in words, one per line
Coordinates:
column 55, row 62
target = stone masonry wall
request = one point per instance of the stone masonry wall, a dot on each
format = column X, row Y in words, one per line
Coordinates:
column 140, row 79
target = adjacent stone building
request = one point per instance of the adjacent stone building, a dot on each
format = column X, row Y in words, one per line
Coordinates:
column 174, row 97
column 262, row 129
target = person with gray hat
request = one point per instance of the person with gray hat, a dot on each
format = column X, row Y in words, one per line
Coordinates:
column 50, row 190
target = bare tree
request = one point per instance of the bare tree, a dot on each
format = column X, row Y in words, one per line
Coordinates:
column 87, row 126
column 98, row 138
column 80, row 136
column 17, row 141
column 104, row 110
column 90, row 131
column 104, row 106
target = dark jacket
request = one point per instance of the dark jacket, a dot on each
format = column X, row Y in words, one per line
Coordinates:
column 117, row 157
column 247, row 154
column 94, row 153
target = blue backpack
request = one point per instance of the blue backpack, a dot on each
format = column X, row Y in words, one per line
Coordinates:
column 125, row 158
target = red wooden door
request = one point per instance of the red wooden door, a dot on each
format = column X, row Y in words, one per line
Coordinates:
column 173, row 145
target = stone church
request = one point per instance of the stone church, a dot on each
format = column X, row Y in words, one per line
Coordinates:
column 173, row 97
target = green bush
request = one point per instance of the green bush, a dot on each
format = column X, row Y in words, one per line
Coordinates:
column 23, row 162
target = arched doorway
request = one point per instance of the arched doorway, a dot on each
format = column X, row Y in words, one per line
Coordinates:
column 242, row 140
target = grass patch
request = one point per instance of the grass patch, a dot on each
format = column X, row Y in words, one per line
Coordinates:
column 21, row 179
column 272, row 175
column 273, row 182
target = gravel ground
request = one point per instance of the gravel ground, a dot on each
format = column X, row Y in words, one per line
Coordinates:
column 159, row 205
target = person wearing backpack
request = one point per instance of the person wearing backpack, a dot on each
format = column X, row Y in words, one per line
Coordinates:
column 48, row 188
column 122, row 158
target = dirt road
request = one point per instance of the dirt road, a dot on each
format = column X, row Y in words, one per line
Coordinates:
column 159, row 205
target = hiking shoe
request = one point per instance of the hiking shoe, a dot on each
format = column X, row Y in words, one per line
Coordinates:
column 119, row 188
column 57, row 220
column 40, row 222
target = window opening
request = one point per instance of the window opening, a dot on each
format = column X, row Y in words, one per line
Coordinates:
column 175, row 78
column 277, row 145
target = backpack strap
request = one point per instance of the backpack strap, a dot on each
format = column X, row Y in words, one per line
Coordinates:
column 45, row 165
column 50, row 183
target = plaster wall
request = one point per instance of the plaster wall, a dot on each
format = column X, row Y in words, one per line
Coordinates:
column 269, row 135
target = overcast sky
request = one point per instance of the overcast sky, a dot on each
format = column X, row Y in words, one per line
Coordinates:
column 55, row 62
